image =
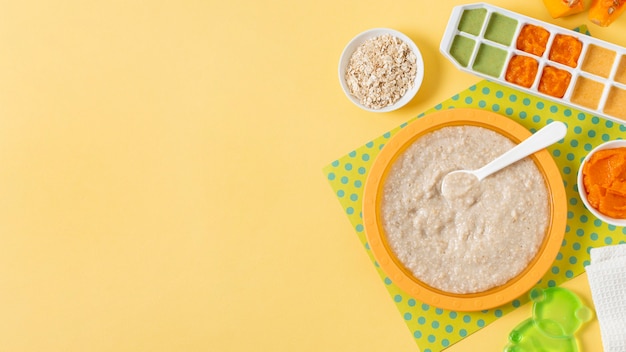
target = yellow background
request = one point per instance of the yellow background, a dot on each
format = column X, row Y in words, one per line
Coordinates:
column 161, row 184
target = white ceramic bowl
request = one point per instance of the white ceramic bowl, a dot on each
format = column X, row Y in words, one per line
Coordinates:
column 581, row 185
column 360, row 39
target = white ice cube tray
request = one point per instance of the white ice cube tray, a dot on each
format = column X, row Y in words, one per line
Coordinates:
column 608, row 100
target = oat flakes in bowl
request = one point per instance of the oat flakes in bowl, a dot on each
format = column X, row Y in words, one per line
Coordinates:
column 381, row 70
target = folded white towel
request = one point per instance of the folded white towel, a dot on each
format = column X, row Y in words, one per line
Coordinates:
column 602, row 254
column 607, row 279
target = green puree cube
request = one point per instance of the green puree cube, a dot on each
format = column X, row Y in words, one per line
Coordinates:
column 461, row 49
column 490, row 60
column 501, row 29
column 472, row 21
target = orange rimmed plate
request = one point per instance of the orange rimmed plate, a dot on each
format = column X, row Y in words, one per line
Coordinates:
column 401, row 276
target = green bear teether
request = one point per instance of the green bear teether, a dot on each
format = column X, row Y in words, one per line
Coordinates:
column 556, row 316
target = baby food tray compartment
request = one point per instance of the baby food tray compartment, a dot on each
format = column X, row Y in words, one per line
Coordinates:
column 537, row 57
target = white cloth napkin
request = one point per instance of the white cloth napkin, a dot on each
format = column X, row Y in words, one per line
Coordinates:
column 607, row 279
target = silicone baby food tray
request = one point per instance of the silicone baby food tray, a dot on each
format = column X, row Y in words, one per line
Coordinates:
column 537, row 57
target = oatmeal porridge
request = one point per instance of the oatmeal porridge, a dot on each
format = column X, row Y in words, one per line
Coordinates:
column 473, row 242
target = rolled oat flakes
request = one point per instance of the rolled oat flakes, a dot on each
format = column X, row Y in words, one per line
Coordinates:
column 381, row 71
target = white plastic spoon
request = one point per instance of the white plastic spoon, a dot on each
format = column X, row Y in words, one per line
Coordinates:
column 456, row 183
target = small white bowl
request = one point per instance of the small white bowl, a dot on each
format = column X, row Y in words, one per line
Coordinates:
column 581, row 186
column 360, row 39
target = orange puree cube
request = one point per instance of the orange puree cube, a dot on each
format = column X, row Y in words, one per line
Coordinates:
column 522, row 70
column 566, row 50
column 554, row 81
column 533, row 39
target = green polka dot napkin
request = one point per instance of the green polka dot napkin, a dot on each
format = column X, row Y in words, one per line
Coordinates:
column 435, row 329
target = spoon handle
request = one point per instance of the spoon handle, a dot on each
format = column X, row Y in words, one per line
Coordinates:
column 546, row 136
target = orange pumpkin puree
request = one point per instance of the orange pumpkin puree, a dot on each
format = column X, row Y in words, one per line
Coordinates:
column 604, row 177
column 554, row 81
column 566, row 50
column 533, row 39
column 522, row 70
